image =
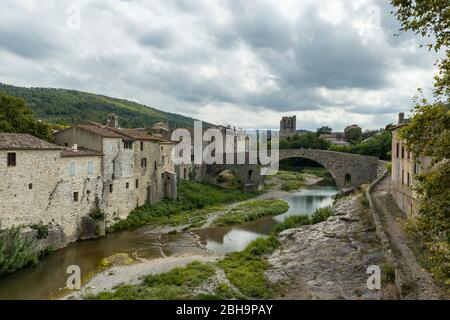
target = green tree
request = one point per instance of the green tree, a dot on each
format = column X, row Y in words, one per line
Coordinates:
column 353, row 135
column 307, row 140
column 431, row 20
column 324, row 129
column 428, row 132
column 16, row 116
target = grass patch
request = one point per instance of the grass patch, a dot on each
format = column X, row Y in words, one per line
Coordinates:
column 118, row 259
column 176, row 284
column 321, row 214
column 317, row 171
column 388, row 273
column 191, row 196
column 16, row 251
column 291, row 185
column 292, row 222
column 246, row 269
column 252, row 210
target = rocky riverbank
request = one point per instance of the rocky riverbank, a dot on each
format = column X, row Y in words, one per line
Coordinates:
column 328, row 260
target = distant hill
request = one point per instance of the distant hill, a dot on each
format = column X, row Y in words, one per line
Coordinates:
column 67, row 107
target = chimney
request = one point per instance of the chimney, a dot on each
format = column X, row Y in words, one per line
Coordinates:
column 401, row 118
column 75, row 147
column 112, row 121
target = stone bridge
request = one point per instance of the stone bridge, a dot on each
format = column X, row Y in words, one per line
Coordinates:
column 348, row 170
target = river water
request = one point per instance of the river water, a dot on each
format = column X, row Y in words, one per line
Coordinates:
column 49, row 276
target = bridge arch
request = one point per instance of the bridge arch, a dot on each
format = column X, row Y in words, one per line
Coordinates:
column 348, row 170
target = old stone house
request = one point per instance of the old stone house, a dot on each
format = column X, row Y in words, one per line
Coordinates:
column 137, row 167
column 90, row 167
column 404, row 168
column 45, row 184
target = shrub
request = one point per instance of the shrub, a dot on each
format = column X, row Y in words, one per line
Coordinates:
column 97, row 214
column 16, row 251
column 321, row 214
column 292, row 222
column 42, row 230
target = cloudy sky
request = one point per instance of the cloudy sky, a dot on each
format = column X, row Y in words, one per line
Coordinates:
column 245, row 63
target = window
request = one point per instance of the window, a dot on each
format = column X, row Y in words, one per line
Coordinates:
column 403, row 176
column 111, row 188
column 137, row 183
column 30, row 186
column 128, row 144
column 397, row 154
column 127, row 185
column 11, row 159
column 407, row 179
column 184, row 173
column 163, row 159
column 142, row 146
column 144, row 162
column 348, row 179
column 90, row 167
column 72, row 169
column 75, row 196
column 403, row 152
column 156, row 166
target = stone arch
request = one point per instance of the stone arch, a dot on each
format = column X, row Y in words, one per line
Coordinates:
column 361, row 169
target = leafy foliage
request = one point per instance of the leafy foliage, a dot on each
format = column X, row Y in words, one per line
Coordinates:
column 379, row 145
column 68, row 107
column 428, row 134
column 191, row 196
column 306, row 140
column 430, row 19
column 16, row 251
column 16, row 116
column 353, row 134
column 323, row 129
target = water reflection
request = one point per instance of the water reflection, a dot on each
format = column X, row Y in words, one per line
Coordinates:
column 236, row 238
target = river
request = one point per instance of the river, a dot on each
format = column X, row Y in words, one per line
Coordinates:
column 49, row 276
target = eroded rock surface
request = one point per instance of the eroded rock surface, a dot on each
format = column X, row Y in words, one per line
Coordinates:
column 328, row 260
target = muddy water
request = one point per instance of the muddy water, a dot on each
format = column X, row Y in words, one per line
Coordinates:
column 236, row 238
column 49, row 276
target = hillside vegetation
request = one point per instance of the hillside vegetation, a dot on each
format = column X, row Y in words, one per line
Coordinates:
column 67, row 107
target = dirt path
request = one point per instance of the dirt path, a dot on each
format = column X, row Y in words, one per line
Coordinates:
column 420, row 282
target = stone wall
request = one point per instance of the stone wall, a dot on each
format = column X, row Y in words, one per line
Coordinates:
column 41, row 189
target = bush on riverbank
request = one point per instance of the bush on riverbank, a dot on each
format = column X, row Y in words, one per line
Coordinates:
column 16, row 251
column 252, row 210
column 191, row 196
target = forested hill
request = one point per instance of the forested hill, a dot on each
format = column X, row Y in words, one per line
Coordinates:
column 65, row 107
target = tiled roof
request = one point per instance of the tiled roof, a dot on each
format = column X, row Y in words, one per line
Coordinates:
column 104, row 132
column 135, row 134
column 24, row 141
column 80, row 152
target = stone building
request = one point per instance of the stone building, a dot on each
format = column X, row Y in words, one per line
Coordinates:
column 337, row 138
column 404, row 168
column 137, row 167
column 288, row 126
column 45, row 184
